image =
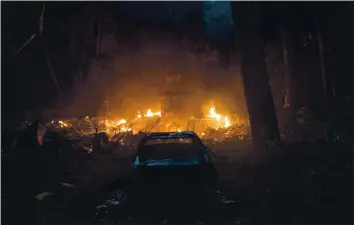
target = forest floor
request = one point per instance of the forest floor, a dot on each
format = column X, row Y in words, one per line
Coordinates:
column 304, row 183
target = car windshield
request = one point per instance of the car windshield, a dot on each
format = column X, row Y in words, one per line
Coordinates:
column 169, row 148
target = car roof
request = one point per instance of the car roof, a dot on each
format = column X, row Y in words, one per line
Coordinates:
column 167, row 135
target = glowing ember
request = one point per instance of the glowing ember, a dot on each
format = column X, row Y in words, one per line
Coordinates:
column 226, row 122
column 125, row 129
column 139, row 115
column 149, row 113
column 122, row 121
column 157, row 113
column 62, row 124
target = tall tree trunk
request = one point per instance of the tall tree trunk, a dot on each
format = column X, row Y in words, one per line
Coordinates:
column 325, row 83
column 259, row 100
column 288, row 37
column 321, row 53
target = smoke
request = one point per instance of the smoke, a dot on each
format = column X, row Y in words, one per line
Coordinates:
column 131, row 74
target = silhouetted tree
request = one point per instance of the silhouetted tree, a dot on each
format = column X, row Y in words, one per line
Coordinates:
column 263, row 120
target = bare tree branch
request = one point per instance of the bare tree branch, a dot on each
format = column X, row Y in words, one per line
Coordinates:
column 24, row 45
column 51, row 70
column 41, row 20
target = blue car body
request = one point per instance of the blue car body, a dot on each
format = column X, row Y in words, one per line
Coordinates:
column 187, row 173
column 202, row 158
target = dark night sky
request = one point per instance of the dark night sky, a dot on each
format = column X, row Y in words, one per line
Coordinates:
column 21, row 19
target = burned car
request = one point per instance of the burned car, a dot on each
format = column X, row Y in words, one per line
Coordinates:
column 168, row 151
column 171, row 171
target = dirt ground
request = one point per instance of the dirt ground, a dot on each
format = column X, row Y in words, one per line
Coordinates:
column 307, row 183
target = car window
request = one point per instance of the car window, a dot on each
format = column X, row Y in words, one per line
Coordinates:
column 169, row 141
column 170, row 148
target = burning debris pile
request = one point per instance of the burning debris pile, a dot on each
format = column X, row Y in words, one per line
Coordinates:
column 112, row 127
column 103, row 133
column 221, row 128
column 212, row 126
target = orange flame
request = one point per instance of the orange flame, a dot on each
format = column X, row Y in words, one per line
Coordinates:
column 62, row 124
column 213, row 114
column 220, row 121
column 122, row 121
column 226, row 122
column 139, row 115
column 149, row 113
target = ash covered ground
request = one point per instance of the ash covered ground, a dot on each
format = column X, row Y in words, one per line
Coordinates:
column 301, row 182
